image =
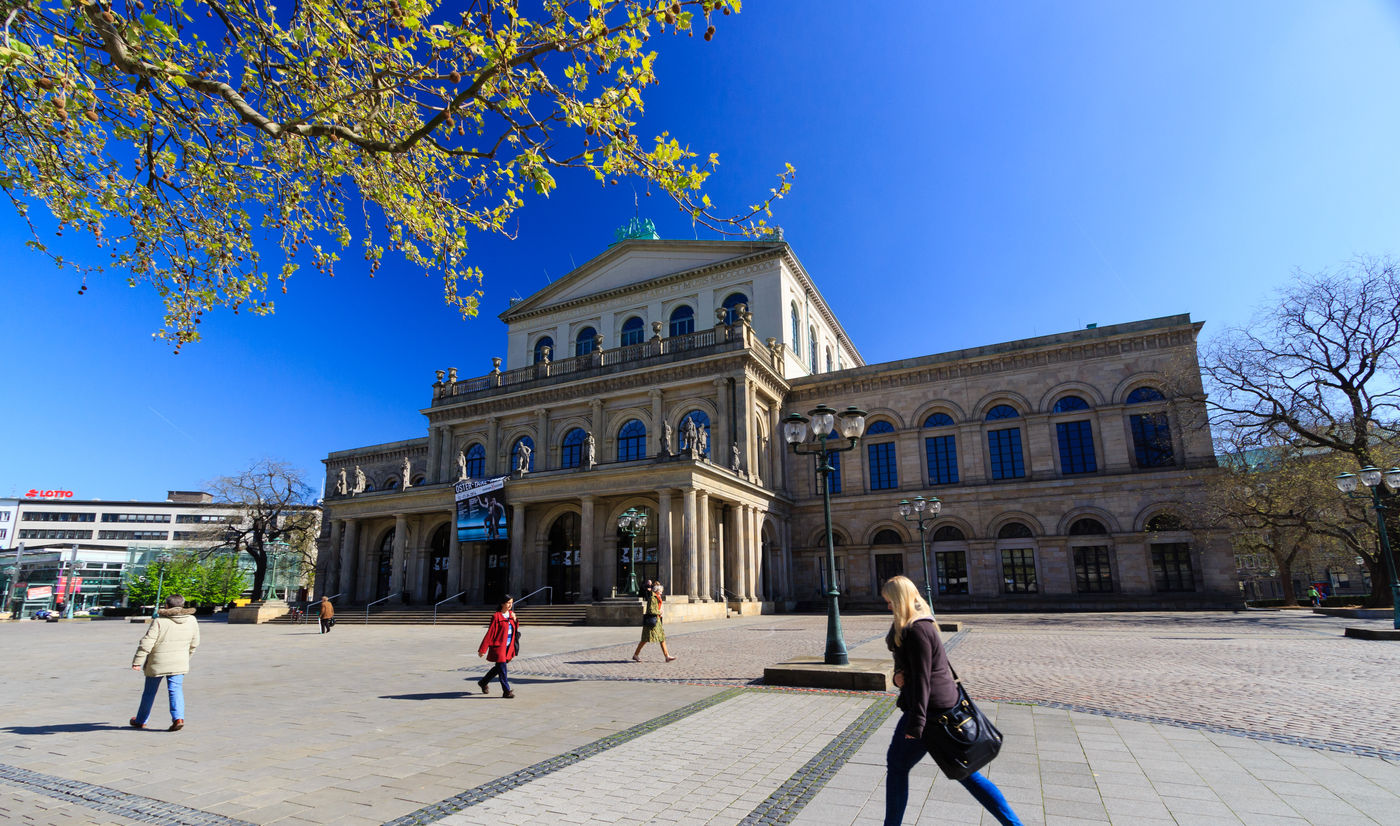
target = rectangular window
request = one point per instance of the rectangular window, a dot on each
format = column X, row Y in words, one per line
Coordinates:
column 1152, row 440
column 883, row 473
column 135, row 517
column 1018, row 571
column 571, row 455
column 942, row 453
column 1092, row 573
column 133, row 535
column 1171, row 567
column 202, row 518
column 1076, row 447
column 4, row 532
column 59, row 516
column 834, row 478
column 42, row 534
column 1004, row 448
column 952, row 571
column 192, row 536
column 4, row 516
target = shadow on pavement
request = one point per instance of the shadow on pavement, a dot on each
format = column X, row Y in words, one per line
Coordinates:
column 61, row 728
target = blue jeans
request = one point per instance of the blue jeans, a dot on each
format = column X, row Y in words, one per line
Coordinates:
column 175, row 685
column 497, row 668
column 905, row 753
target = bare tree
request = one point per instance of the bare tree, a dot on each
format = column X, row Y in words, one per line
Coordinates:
column 278, row 509
column 1320, row 370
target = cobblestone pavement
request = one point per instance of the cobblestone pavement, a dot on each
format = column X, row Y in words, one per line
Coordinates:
column 370, row 725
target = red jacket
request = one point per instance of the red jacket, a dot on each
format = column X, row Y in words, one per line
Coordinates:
column 494, row 645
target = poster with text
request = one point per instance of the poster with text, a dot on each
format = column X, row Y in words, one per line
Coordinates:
column 481, row 510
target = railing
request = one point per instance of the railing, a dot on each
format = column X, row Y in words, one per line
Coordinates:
column 376, row 602
column 726, row 595
column 439, row 602
column 548, row 588
column 307, row 610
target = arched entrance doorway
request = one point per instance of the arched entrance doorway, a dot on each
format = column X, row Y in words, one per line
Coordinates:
column 495, row 572
column 437, row 565
column 385, row 569
column 563, row 558
column 646, row 555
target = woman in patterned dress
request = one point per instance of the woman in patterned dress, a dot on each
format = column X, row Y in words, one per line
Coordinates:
column 654, row 632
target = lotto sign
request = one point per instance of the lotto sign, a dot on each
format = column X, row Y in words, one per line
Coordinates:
column 35, row 493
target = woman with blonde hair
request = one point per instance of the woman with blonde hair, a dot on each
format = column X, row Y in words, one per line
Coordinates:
column 926, row 688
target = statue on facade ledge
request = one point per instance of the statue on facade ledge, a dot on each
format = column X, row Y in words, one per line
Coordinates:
column 590, row 451
column 406, row 470
column 736, row 458
column 688, row 437
column 702, row 442
column 461, row 466
column 522, row 459
column 360, row 482
column 341, row 486
column 666, row 432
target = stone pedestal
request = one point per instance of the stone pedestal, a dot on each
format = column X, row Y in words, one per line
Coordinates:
column 258, row 612
column 812, row 672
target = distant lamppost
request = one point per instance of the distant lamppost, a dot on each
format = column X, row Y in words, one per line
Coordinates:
column 1371, row 477
column 631, row 523
column 9, row 586
column 922, row 511
column 823, row 421
column 162, row 560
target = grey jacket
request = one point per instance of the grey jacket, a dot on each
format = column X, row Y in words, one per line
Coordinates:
column 168, row 643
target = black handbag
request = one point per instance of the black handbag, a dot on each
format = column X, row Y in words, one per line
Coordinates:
column 650, row 620
column 961, row 739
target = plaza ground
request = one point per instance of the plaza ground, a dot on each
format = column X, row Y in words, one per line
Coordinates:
column 1212, row 718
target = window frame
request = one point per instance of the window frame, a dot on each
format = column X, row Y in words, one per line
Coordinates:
column 628, row 336
column 632, row 447
column 687, row 321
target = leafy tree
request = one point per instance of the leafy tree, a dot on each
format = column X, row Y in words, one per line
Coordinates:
column 223, row 580
column 277, row 508
column 177, row 135
column 1320, row 371
column 180, row 574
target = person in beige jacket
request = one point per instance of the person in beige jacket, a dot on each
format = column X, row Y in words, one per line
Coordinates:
column 164, row 652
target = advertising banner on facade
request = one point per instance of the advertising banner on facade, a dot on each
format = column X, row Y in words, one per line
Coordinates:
column 62, row 585
column 39, row 592
column 481, row 510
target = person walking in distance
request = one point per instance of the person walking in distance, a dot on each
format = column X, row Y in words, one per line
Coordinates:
column 926, row 688
column 164, row 653
column 652, row 630
column 327, row 615
column 500, row 645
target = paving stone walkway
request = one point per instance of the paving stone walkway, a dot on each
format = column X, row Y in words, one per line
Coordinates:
column 1254, row 718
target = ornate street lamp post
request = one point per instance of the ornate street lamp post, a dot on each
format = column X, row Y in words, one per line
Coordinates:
column 1371, row 477
column 631, row 523
column 9, row 587
column 824, row 443
column 162, row 560
column 922, row 511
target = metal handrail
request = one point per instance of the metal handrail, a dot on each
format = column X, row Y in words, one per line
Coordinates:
column 439, row 602
column 307, row 610
column 548, row 588
column 372, row 604
column 725, row 592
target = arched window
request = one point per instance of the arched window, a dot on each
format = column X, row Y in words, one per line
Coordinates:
column 515, row 453
column 541, row 346
column 1166, row 522
column 1004, row 446
column 731, row 315
column 1087, row 527
column 1145, row 394
column 1076, row 447
column 632, row 331
column 884, row 470
column 1069, row 404
column 1152, row 439
column 887, row 537
column 949, row 533
column 632, row 441
column 683, row 320
column 701, row 419
column 571, row 450
column 796, row 328
column 476, row 461
column 829, row 365
column 583, row 342
column 812, row 347
column 420, row 479
column 836, row 540
column 391, row 483
column 941, row 452
column 1014, row 530
column 834, row 477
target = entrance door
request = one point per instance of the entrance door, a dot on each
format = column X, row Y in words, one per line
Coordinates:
column 563, row 573
column 886, row 566
column 646, row 556
column 386, row 566
column 496, row 571
column 437, row 567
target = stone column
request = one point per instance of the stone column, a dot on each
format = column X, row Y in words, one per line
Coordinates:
column 742, row 411
column 493, row 447
column 447, row 457
column 738, row 554
column 658, row 415
column 396, row 584
column 587, row 549
column 542, row 444
column 605, row 443
column 702, row 587
column 335, row 561
column 759, row 550
column 665, row 546
column 434, row 454
column 517, row 549
column 688, row 567
column 349, row 554
column 755, row 552
column 454, row 558
column 719, row 434
column 719, row 559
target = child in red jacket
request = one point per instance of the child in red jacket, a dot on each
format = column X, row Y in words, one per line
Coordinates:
column 500, row 645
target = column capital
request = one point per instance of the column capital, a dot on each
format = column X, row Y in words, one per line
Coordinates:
column 587, row 498
column 655, row 393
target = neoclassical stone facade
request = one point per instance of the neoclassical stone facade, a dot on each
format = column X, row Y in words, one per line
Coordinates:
column 656, row 377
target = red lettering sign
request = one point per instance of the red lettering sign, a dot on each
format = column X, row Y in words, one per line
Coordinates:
column 34, row 493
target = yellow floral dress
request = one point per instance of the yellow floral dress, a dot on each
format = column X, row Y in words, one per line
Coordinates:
column 655, row 633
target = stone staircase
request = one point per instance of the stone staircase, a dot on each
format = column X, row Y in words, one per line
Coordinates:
column 460, row 615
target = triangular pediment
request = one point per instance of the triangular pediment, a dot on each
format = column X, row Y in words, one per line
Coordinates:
column 634, row 263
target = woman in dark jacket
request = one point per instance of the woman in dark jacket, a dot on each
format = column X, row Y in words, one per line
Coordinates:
column 926, row 687
column 500, row 645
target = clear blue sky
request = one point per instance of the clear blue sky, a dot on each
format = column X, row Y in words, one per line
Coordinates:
column 968, row 173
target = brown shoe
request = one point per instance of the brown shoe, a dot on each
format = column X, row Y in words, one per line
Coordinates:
column 484, row 686
column 135, row 724
column 509, row 695
column 177, row 725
